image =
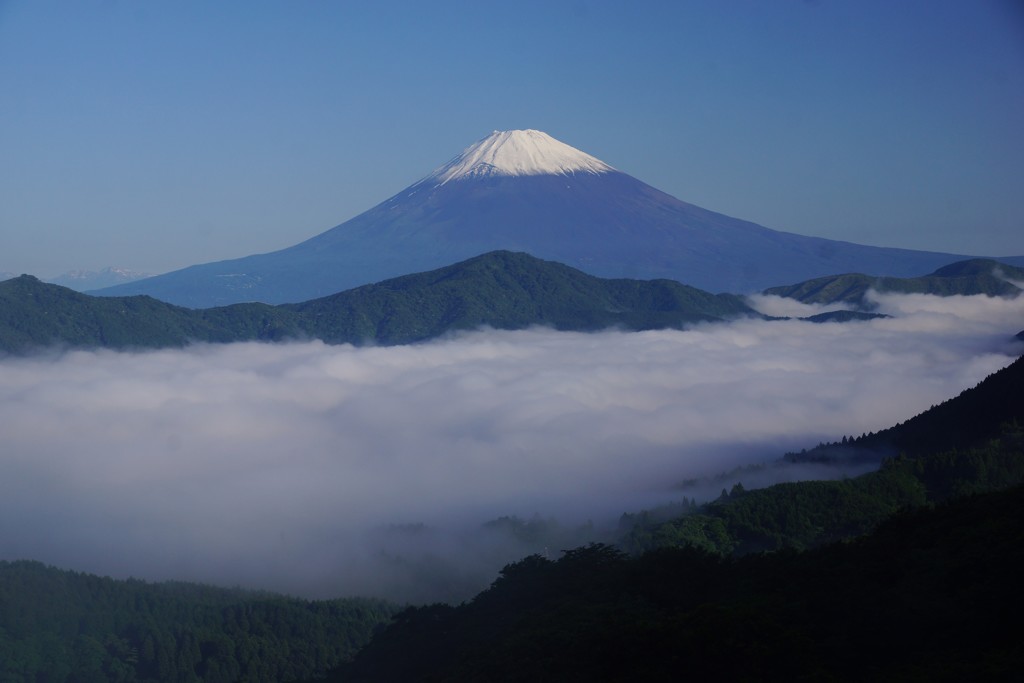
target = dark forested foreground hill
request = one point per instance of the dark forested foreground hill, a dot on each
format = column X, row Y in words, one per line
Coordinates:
column 972, row 443
column 503, row 290
column 919, row 595
column 973, row 276
column 966, row 420
column 932, row 595
column 809, row 514
column 59, row 625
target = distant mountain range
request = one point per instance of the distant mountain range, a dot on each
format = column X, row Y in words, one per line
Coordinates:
column 502, row 290
column 525, row 191
column 85, row 280
column 974, row 276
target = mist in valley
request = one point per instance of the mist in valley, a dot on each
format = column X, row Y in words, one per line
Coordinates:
column 416, row 472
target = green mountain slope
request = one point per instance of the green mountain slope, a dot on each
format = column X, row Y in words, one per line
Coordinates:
column 965, row 421
column 974, row 276
column 930, row 558
column 58, row 625
column 920, row 599
column 500, row 289
column 972, row 443
column 35, row 315
column 506, row 290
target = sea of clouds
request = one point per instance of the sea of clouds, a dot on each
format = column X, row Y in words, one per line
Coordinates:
column 331, row 470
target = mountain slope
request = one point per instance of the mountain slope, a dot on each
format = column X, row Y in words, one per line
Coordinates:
column 509, row 291
column 501, row 290
column 35, row 315
column 525, row 191
column 971, row 443
column 921, row 596
column 973, row 276
column 961, row 422
column 58, row 625
column 921, row 591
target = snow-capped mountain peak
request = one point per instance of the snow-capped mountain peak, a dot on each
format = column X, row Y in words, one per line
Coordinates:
column 517, row 153
column 524, row 191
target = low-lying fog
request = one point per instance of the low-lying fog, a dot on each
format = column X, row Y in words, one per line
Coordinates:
column 330, row 470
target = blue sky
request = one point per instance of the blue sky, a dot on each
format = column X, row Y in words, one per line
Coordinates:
column 156, row 135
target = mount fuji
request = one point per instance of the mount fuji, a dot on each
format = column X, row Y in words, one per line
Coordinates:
column 523, row 190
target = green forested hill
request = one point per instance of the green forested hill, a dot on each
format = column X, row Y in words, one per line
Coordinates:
column 975, row 276
column 36, row 315
column 812, row 513
column 969, row 444
column 507, row 290
column 500, row 289
column 850, row 592
column 969, row 419
column 58, row 625
column 931, row 595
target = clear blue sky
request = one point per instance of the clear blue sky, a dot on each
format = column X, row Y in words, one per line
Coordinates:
column 156, row 135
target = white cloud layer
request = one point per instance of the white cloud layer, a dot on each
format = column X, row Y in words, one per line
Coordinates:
column 278, row 466
column 784, row 307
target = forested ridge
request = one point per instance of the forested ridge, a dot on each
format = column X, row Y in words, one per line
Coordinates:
column 971, row 443
column 966, row 420
column 502, row 289
column 907, row 573
column 931, row 595
column 808, row 514
column 59, row 625
column 973, row 276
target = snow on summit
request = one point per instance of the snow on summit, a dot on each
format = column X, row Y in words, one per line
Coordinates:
column 516, row 153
